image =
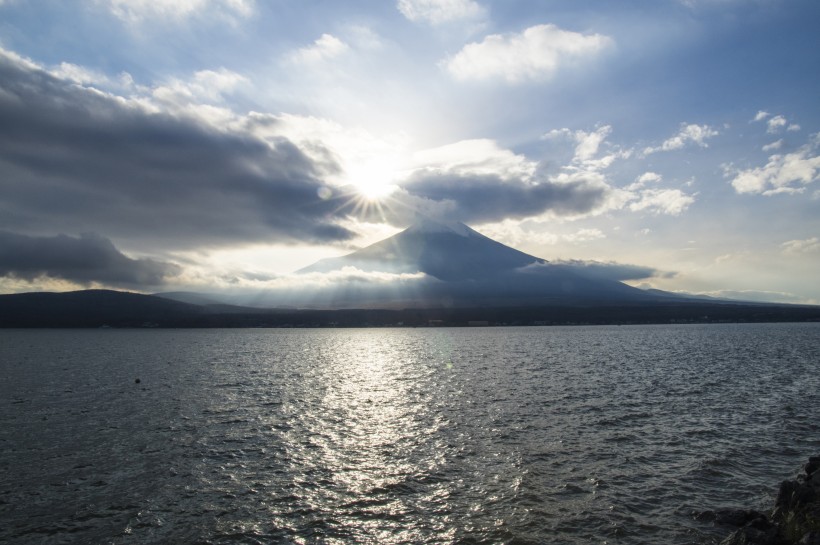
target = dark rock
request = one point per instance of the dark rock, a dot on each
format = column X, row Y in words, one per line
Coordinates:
column 732, row 517
column 136, row 381
column 795, row 519
column 749, row 535
column 812, row 538
column 812, row 465
column 793, row 495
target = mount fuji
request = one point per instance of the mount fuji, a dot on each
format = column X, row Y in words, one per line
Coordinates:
column 462, row 267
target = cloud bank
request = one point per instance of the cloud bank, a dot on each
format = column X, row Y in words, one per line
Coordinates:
column 483, row 198
column 75, row 159
column 85, row 260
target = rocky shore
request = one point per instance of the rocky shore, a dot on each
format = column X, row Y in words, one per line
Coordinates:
column 794, row 519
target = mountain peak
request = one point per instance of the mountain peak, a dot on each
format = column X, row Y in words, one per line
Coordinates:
column 442, row 249
column 424, row 224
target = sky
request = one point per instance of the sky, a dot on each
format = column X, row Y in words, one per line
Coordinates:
column 162, row 145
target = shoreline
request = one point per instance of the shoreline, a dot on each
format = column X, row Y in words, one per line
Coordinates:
column 793, row 520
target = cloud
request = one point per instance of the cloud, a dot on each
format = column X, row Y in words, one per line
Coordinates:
column 324, row 48
column 662, row 201
column 476, row 156
column 601, row 270
column 478, row 181
column 773, row 146
column 635, row 197
column 209, row 86
column 784, row 173
column 588, row 144
column 643, row 179
column 672, row 202
column 800, row 247
column 79, row 74
column 689, row 133
column 584, row 235
column 758, row 296
column 532, row 233
column 534, row 54
column 484, row 198
column 761, row 115
column 85, row 260
column 347, row 287
column 775, row 124
column 440, row 11
column 74, row 159
column 137, row 11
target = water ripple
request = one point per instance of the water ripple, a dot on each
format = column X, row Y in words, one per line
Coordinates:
column 516, row 436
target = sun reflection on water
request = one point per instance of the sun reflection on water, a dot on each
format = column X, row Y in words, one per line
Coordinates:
column 372, row 446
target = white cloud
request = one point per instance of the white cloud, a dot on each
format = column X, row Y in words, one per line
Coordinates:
column 773, row 146
column 136, row 11
column 643, row 179
column 662, row 201
column 636, row 197
column 537, row 233
column 476, row 157
column 775, row 124
column 798, row 247
column 588, row 144
column 689, row 133
column 324, row 48
column 440, row 11
column 534, row 54
column 206, row 85
column 79, row 74
column 782, row 174
column 584, row 235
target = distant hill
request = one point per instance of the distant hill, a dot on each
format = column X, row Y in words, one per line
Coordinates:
column 92, row 308
column 103, row 308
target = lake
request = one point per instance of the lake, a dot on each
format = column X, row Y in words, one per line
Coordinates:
column 437, row 435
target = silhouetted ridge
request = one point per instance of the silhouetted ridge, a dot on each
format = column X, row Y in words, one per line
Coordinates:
column 447, row 251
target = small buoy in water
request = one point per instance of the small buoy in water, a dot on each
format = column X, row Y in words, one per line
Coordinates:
column 136, row 381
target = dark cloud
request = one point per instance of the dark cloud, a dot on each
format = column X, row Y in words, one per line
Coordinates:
column 73, row 159
column 602, row 270
column 84, row 260
column 488, row 198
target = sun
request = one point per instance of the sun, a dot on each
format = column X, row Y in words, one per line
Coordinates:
column 373, row 180
column 375, row 191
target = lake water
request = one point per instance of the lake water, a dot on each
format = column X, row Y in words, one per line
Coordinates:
column 481, row 435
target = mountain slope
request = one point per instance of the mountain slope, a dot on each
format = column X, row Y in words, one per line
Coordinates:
column 465, row 267
column 447, row 251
